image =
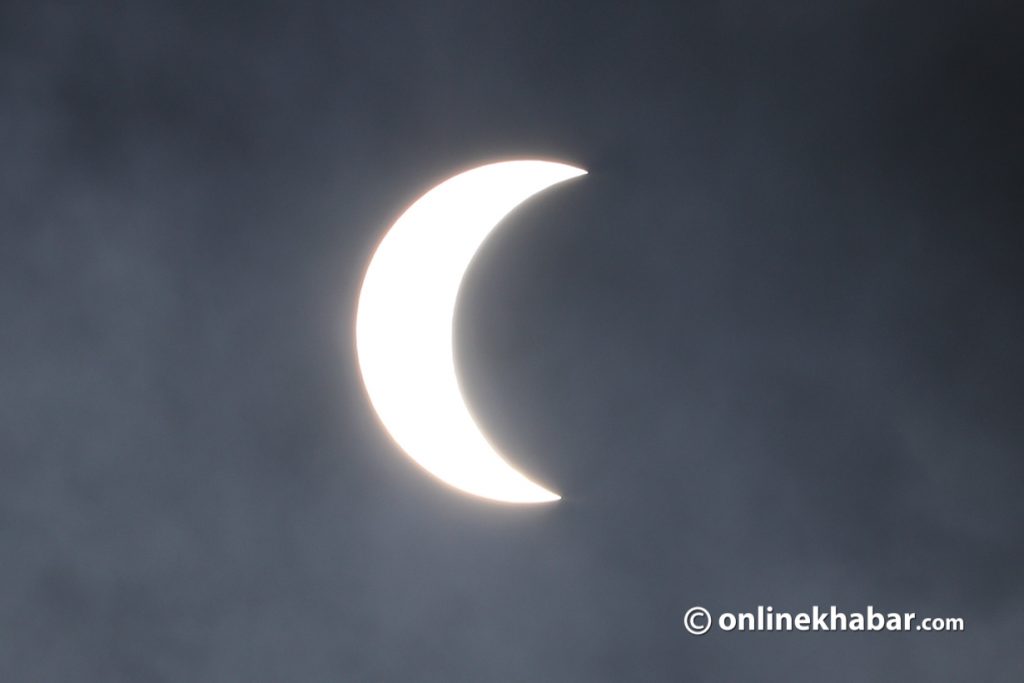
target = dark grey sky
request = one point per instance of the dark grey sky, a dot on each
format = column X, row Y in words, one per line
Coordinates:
column 768, row 350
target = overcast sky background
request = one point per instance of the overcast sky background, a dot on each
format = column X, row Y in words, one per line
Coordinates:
column 769, row 350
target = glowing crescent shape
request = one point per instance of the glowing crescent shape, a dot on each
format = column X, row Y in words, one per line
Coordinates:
column 404, row 325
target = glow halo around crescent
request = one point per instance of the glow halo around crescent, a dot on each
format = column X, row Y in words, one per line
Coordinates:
column 404, row 325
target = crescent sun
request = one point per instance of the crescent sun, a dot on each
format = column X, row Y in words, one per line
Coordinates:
column 404, row 325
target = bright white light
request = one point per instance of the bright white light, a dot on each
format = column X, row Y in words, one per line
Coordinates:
column 404, row 325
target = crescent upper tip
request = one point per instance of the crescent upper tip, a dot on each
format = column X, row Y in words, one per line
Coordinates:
column 572, row 171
